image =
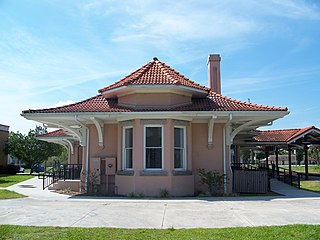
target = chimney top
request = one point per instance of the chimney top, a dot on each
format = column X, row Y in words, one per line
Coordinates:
column 214, row 81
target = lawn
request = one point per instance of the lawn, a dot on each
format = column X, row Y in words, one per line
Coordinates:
column 311, row 169
column 311, row 185
column 301, row 232
column 8, row 180
column 6, row 194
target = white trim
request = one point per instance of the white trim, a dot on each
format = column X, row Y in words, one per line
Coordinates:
column 124, row 165
column 144, row 148
column 184, row 160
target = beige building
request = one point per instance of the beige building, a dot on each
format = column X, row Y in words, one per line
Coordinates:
column 4, row 132
column 153, row 130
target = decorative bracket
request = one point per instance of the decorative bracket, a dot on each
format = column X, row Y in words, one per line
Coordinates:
column 99, row 126
column 210, row 131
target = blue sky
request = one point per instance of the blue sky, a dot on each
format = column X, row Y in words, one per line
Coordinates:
column 57, row 52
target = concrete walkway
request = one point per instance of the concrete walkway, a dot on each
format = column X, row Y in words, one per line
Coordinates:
column 47, row 208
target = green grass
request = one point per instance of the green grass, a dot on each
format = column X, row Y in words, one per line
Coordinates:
column 311, row 169
column 6, row 194
column 8, row 180
column 300, row 232
column 311, row 185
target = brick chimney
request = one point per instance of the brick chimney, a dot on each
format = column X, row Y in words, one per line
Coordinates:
column 214, row 73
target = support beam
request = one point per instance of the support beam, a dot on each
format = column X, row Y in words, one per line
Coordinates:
column 290, row 169
column 267, row 159
column 242, row 127
column 306, row 164
column 99, row 127
column 277, row 161
column 210, row 131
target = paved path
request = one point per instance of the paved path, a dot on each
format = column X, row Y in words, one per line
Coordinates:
column 46, row 208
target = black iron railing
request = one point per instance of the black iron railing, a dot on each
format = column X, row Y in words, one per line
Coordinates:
column 293, row 179
column 60, row 172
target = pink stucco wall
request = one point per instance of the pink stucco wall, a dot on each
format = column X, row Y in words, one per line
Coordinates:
column 199, row 155
column 204, row 157
column 154, row 99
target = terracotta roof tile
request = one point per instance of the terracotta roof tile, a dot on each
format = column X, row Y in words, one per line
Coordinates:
column 284, row 135
column 155, row 72
column 215, row 102
column 56, row 133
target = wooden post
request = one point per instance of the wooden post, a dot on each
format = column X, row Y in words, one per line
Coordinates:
column 290, row 169
column 277, row 161
column 306, row 161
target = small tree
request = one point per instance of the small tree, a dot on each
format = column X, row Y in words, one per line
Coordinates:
column 30, row 150
column 213, row 179
column 299, row 156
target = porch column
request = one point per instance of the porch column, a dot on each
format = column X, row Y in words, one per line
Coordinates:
column 267, row 159
column 277, row 161
column 289, row 158
column 306, row 161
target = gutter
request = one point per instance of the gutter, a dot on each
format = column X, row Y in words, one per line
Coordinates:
column 87, row 151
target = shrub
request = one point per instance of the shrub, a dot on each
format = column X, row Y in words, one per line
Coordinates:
column 213, row 179
column 9, row 169
column 164, row 193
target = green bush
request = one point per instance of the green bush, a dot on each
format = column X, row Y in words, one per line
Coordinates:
column 213, row 179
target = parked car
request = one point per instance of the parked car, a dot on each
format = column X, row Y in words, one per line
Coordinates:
column 38, row 168
column 21, row 169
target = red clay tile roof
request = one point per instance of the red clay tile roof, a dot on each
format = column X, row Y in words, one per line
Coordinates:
column 284, row 135
column 155, row 72
column 57, row 133
column 214, row 102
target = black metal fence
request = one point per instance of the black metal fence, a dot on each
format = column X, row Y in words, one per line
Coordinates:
column 60, row 172
column 293, row 179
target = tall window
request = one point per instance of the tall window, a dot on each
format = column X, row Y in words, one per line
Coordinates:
column 127, row 147
column 179, row 148
column 153, row 147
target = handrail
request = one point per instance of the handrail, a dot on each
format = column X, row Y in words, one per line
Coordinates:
column 60, row 172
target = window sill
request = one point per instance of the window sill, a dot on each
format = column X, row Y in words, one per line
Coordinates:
column 125, row 172
column 153, row 173
column 181, row 172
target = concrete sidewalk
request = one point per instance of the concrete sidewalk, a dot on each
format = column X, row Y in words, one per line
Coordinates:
column 46, row 208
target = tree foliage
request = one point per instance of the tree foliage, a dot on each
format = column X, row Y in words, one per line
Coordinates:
column 30, row 150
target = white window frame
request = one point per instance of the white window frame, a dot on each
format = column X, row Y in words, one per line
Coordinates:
column 184, row 160
column 144, row 148
column 124, row 162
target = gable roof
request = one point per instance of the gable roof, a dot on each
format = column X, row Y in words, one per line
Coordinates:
column 284, row 135
column 155, row 72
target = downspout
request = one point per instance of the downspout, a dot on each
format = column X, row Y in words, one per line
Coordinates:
column 224, row 155
column 87, row 151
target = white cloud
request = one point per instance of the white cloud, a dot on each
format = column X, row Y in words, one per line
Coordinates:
column 61, row 103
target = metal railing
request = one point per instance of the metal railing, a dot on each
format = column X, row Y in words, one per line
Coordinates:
column 60, row 172
column 294, row 179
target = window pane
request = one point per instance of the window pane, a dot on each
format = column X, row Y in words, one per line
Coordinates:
column 128, row 158
column 178, row 137
column 178, row 158
column 128, row 137
column 153, row 158
column 153, row 137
